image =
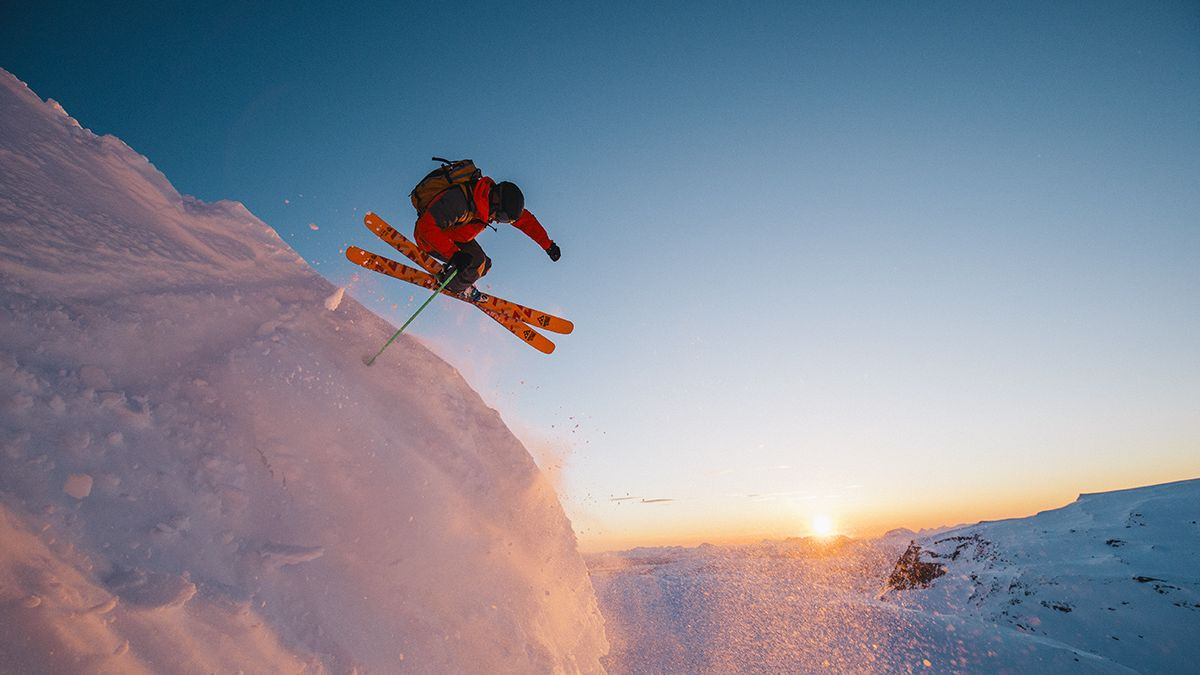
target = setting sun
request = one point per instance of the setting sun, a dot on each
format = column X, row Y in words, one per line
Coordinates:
column 822, row 525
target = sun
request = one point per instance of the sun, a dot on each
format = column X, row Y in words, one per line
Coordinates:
column 822, row 525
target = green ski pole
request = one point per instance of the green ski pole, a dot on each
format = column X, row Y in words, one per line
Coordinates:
column 395, row 335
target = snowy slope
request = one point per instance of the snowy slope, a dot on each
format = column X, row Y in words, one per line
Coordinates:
column 1116, row 575
column 1110, row 583
column 197, row 473
column 797, row 607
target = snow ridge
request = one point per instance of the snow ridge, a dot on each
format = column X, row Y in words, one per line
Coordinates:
column 1115, row 575
column 1106, row 584
column 198, row 474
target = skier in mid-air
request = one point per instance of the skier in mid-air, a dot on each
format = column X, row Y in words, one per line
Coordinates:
column 450, row 221
column 454, row 204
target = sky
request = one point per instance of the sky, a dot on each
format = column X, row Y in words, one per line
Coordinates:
column 898, row 265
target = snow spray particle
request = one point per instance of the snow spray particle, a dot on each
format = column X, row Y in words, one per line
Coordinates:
column 333, row 301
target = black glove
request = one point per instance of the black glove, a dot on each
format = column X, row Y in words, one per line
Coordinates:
column 459, row 261
column 553, row 252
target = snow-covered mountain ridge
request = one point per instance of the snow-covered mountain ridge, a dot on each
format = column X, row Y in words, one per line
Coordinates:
column 1115, row 574
column 197, row 473
column 1106, row 584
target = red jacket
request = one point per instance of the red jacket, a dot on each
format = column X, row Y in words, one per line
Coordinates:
column 451, row 219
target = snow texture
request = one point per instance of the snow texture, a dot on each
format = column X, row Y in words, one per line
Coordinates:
column 1107, row 584
column 197, row 473
column 1115, row 575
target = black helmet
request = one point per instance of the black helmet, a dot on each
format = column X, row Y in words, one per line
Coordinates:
column 510, row 201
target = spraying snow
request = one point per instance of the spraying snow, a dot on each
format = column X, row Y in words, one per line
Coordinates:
column 1106, row 584
column 198, row 474
column 334, row 301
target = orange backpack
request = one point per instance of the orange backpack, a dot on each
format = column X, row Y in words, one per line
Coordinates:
column 462, row 173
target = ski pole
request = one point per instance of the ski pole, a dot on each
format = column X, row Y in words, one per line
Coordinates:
column 449, row 278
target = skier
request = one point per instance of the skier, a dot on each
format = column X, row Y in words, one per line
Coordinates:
column 447, row 228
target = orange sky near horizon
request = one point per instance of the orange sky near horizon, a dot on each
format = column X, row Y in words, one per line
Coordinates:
column 861, row 520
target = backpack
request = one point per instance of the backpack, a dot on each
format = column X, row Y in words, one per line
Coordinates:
column 462, row 173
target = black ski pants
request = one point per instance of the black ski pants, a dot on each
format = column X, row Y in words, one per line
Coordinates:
column 480, row 264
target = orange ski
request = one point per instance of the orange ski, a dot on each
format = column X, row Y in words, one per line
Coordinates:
column 412, row 275
column 402, row 244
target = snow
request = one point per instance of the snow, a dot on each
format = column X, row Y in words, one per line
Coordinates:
column 334, row 301
column 197, row 474
column 1110, row 583
column 78, row 485
column 1116, row 575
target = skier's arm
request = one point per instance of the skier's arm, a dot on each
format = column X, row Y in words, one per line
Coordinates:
column 528, row 224
column 428, row 231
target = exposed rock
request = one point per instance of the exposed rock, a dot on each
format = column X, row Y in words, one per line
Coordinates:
column 910, row 572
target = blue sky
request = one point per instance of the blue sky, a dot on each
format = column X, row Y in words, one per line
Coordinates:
column 803, row 243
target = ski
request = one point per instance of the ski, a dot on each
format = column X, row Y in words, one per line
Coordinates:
column 402, row 244
column 515, row 325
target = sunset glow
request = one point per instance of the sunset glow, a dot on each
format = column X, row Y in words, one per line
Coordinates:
column 822, row 525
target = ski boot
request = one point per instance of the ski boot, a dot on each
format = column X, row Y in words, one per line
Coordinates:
column 472, row 294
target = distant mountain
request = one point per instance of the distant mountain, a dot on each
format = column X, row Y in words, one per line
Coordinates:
column 197, row 472
column 1116, row 575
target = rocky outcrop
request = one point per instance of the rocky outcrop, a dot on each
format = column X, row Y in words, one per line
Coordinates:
column 912, row 572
